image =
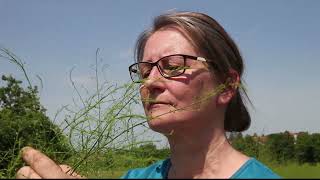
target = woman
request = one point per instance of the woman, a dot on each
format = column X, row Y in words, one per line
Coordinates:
column 189, row 72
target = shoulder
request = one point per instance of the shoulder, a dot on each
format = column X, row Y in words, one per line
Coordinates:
column 255, row 169
column 157, row 170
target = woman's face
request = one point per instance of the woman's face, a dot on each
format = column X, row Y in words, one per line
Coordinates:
column 177, row 102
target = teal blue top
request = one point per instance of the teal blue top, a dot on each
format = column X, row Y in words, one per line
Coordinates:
column 159, row 170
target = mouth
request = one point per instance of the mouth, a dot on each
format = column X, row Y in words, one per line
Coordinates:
column 156, row 105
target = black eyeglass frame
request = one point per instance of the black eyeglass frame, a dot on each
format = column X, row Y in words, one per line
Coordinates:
column 185, row 57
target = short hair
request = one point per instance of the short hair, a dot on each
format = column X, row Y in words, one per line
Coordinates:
column 210, row 39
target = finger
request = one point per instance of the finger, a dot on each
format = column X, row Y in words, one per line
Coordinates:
column 27, row 173
column 41, row 164
column 68, row 170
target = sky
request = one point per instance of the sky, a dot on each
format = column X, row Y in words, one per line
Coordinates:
column 279, row 40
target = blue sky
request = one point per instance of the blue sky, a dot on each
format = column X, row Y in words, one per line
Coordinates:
column 279, row 41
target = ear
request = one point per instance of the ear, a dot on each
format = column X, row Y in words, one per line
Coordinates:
column 231, row 86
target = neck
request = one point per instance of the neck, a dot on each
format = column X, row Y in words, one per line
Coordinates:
column 196, row 154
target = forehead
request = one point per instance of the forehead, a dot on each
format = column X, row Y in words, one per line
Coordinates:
column 167, row 41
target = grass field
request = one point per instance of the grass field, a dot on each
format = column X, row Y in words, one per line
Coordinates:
column 293, row 170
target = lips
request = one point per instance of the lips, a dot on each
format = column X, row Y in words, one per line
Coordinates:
column 156, row 104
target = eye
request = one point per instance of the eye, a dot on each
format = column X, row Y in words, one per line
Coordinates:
column 172, row 64
column 144, row 72
column 170, row 67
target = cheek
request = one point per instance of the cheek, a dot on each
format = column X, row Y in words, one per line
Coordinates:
column 199, row 94
column 188, row 93
column 144, row 94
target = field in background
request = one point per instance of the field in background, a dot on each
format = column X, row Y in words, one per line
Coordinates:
column 293, row 170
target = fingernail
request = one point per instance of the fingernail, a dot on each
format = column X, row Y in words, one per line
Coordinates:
column 25, row 149
column 25, row 154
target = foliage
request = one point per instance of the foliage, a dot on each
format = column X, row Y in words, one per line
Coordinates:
column 98, row 121
column 316, row 144
column 281, row 146
column 23, row 122
column 150, row 150
column 248, row 144
column 101, row 118
column 114, row 162
column 305, row 149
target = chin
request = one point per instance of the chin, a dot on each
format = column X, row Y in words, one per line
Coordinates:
column 164, row 124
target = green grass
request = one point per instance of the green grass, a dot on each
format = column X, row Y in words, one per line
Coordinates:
column 294, row 170
column 110, row 174
column 102, row 165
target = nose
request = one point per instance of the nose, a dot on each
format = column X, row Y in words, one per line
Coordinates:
column 154, row 84
column 154, row 75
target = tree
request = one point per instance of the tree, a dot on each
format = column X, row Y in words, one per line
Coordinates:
column 316, row 144
column 281, row 146
column 237, row 141
column 252, row 146
column 305, row 149
column 23, row 122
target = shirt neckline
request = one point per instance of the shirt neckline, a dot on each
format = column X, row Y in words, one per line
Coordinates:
column 167, row 165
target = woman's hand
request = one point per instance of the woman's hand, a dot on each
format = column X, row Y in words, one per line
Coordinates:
column 41, row 166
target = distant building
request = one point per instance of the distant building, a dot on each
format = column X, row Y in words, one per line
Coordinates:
column 264, row 138
column 295, row 135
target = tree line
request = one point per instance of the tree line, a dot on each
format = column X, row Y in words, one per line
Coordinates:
column 283, row 147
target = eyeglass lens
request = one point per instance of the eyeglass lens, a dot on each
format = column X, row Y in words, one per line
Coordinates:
column 169, row 66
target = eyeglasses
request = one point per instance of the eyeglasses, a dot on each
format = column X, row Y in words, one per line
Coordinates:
column 168, row 66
